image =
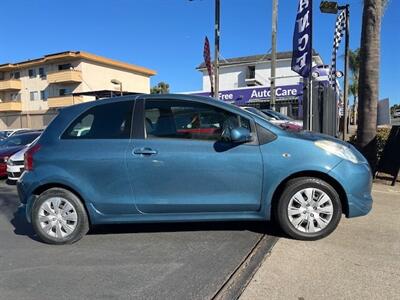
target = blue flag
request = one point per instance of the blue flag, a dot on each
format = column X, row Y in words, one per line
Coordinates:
column 302, row 39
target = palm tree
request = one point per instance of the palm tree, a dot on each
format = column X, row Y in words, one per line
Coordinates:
column 160, row 88
column 368, row 85
column 354, row 66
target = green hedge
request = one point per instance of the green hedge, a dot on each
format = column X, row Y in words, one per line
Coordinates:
column 381, row 137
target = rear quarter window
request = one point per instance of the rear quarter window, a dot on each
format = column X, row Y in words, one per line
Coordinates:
column 106, row 121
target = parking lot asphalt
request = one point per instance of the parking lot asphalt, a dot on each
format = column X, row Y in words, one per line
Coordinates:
column 163, row 261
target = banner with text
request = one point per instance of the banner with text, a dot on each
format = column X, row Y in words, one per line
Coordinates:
column 243, row 96
column 302, row 39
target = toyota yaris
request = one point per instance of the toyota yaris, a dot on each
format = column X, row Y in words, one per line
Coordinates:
column 180, row 158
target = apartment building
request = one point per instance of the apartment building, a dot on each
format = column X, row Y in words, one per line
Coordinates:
column 31, row 91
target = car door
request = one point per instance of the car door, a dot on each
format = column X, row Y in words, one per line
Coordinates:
column 180, row 165
column 94, row 147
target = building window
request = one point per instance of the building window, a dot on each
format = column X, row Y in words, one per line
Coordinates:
column 34, row 96
column 251, row 72
column 15, row 96
column 64, row 67
column 43, row 95
column 32, row 73
column 66, row 91
column 42, row 73
column 15, row 75
column 1, row 76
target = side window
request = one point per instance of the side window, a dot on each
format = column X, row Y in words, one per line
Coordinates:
column 188, row 120
column 106, row 121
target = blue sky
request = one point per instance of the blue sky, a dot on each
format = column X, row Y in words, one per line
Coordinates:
column 168, row 35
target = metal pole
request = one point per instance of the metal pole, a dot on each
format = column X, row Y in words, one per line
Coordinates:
column 216, row 41
column 120, row 89
column 346, row 77
column 273, row 52
column 310, row 79
column 310, row 103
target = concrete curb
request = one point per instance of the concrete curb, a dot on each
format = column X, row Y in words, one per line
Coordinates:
column 237, row 282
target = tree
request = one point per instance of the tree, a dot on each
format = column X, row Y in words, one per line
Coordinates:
column 160, row 88
column 354, row 66
column 368, row 84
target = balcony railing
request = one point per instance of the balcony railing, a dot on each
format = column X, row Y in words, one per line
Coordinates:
column 10, row 85
column 61, row 101
column 10, row 106
column 65, row 76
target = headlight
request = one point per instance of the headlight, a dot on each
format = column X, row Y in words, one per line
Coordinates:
column 10, row 162
column 337, row 149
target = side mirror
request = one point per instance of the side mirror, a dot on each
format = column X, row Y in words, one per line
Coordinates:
column 240, row 135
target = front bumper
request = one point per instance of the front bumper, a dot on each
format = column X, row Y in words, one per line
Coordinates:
column 356, row 179
column 14, row 172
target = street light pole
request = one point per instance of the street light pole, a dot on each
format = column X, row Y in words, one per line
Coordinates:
column 273, row 52
column 216, row 41
column 346, row 71
column 332, row 7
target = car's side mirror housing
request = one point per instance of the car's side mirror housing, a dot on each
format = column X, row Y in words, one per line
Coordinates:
column 240, row 135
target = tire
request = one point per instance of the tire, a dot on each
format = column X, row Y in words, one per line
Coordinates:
column 308, row 219
column 59, row 217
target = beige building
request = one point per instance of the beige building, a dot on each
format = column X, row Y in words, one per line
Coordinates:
column 31, row 91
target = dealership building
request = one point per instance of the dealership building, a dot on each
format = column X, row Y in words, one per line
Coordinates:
column 31, row 91
column 245, row 81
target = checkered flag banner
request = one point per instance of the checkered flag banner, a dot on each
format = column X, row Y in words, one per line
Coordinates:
column 207, row 61
column 339, row 32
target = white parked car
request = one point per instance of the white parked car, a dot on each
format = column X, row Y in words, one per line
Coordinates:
column 283, row 123
column 9, row 132
column 15, row 164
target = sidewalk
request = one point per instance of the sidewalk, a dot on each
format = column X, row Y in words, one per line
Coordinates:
column 360, row 260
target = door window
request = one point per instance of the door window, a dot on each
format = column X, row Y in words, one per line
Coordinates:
column 107, row 121
column 188, row 120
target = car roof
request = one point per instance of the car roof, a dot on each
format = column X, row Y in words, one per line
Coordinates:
column 162, row 97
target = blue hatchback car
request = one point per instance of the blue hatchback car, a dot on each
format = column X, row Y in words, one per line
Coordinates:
column 180, row 158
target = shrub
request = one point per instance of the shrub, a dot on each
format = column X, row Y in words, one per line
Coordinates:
column 381, row 139
column 382, row 136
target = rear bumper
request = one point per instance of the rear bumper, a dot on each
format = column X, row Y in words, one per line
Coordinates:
column 25, row 188
column 356, row 179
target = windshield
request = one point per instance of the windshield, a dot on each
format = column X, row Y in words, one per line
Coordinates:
column 19, row 140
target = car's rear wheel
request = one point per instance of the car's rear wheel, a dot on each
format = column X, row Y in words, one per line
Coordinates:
column 308, row 209
column 59, row 217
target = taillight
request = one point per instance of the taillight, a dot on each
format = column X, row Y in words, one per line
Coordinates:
column 28, row 157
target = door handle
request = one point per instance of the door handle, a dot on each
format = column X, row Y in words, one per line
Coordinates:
column 144, row 151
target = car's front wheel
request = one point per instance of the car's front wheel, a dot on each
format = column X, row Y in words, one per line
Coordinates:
column 309, row 208
column 59, row 217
